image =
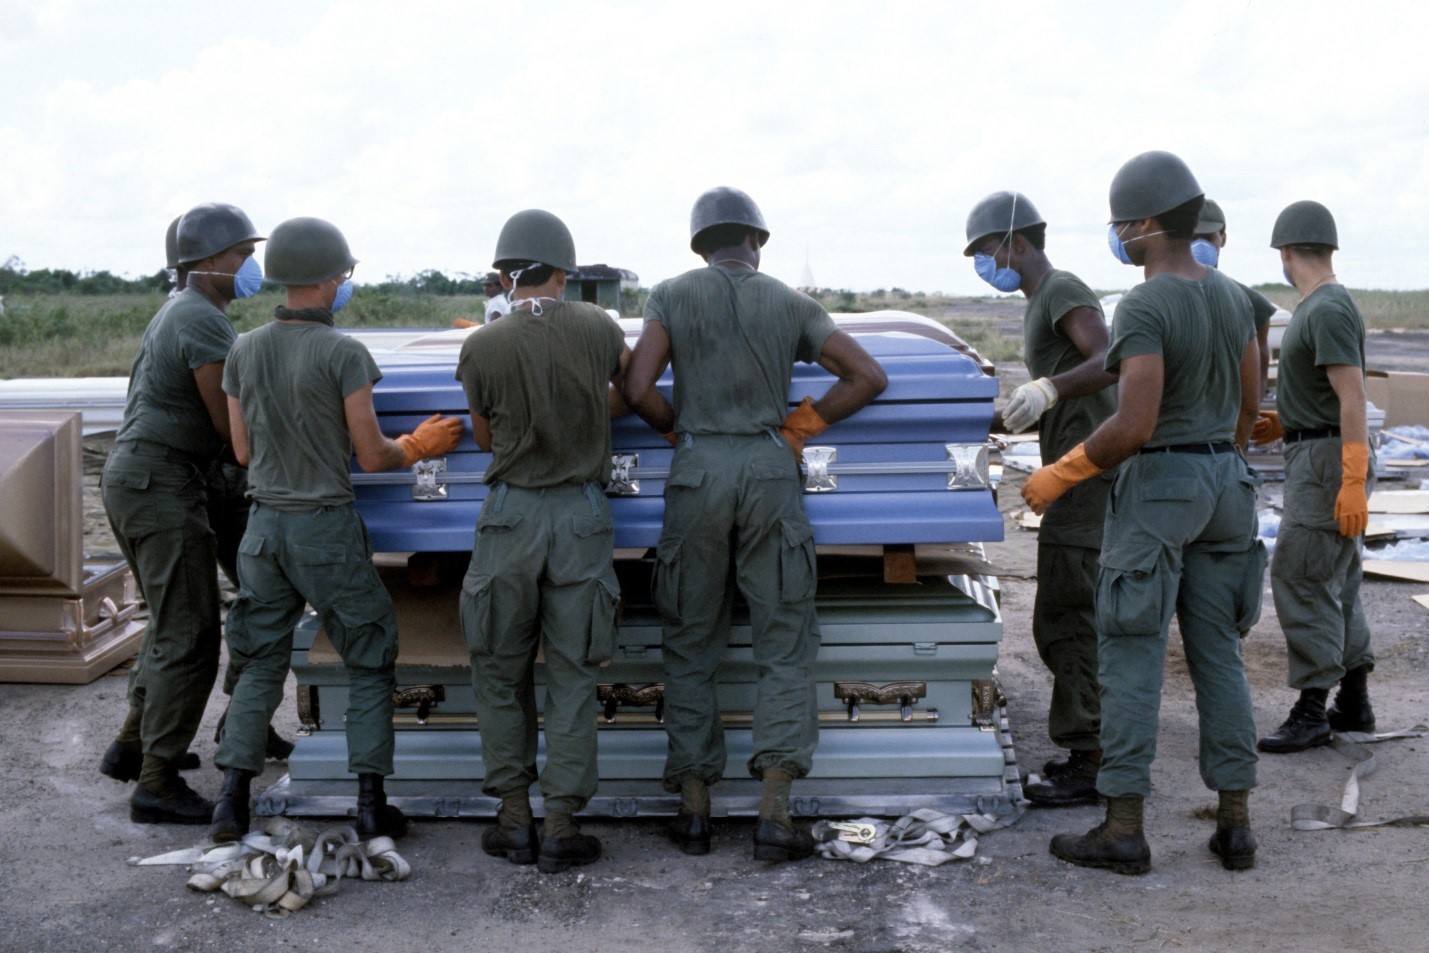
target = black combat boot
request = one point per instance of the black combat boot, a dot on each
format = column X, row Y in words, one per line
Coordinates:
column 564, row 846
column 1305, row 728
column 124, row 758
column 1075, row 783
column 513, row 836
column 690, row 830
column 1117, row 844
column 162, row 797
column 277, row 748
column 776, row 839
column 1233, row 842
column 1350, row 710
column 375, row 817
column 230, row 811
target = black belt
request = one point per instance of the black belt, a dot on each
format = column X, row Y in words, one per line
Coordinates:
column 1206, row 448
column 1295, row 436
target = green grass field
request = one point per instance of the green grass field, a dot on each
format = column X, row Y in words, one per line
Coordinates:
column 72, row 335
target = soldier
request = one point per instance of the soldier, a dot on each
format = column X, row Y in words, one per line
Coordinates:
column 734, row 490
column 1064, row 344
column 498, row 300
column 1180, row 525
column 1320, row 411
column 300, row 403
column 175, row 425
column 538, row 383
column 1206, row 249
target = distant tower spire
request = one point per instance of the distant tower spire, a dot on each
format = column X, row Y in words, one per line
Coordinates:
column 806, row 280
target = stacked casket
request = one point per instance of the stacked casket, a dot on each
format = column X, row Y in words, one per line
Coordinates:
column 62, row 619
column 909, row 713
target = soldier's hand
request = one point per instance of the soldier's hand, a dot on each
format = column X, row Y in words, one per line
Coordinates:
column 1027, row 405
column 433, row 437
column 1267, row 427
column 1047, row 485
column 1352, row 502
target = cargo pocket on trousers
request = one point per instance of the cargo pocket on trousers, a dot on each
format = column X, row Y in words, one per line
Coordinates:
column 604, row 610
column 1305, row 554
column 317, row 555
column 665, row 579
column 797, row 573
column 1252, row 587
column 475, row 611
column 1131, row 596
column 368, row 636
column 496, row 523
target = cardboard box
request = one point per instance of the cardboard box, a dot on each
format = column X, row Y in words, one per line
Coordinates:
column 1402, row 395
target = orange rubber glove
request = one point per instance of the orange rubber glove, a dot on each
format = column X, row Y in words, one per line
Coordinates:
column 802, row 423
column 671, row 437
column 433, row 437
column 1047, row 485
column 1351, row 503
column 1267, row 427
column 464, row 323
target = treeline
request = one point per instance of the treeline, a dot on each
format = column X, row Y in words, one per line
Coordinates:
column 16, row 279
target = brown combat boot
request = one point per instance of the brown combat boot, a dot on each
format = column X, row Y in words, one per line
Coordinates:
column 1117, row 844
column 564, row 846
column 1233, row 842
column 690, row 830
column 776, row 839
column 513, row 836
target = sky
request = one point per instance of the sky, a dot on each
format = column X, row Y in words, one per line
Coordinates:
column 865, row 131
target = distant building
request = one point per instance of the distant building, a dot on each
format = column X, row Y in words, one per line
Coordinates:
column 601, row 285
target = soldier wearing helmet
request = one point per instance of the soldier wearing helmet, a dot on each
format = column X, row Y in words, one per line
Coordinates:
column 1180, row 526
column 299, row 397
column 1206, row 248
column 1320, row 412
column 175, row 426
column 498, row 299
column 1064, row 344
column 734, row 496
column 539, row 386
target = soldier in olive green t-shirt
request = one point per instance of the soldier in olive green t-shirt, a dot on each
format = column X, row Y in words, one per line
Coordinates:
column 733, row 497
column 300, row 405
column 538, row 383
column 1064, row 346
column 1180, row 527
column 1206, row 248
column 1316, row 574
column 155, row 495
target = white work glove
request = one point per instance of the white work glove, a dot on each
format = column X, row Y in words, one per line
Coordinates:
column 1029, row 402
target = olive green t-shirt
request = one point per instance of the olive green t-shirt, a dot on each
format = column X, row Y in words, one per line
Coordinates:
column 1261, row 306
column 542, row 382
column 1077, row 517
column 164, row 405
column 291, row 378
column 1325, row 329
column 734, row 337
column 1200, row 329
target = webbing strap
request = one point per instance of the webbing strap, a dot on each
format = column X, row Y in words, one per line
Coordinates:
column 1322, row 817
column 284, row 866
column 926, row 837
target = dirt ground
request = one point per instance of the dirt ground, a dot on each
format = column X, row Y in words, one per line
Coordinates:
column 67, row 836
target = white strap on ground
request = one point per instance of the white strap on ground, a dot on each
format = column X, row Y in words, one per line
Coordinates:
column 924, row 837
column 283, row 866
column 1322, row 817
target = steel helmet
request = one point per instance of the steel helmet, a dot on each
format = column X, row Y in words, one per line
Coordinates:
column 171, row 244
column 1304, row 223
column 536, row 235
column 306, row 251
column 725, row 206
column 999, row 214
column 1149, row 184
column 1212, row 219
column 206, row 230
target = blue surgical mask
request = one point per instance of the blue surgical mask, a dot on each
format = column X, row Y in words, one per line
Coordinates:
column 1003, row 279
column 248, row 280
column 1205, row 253
column 1286, row 273
column 1118, row 247
column 343, row 296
